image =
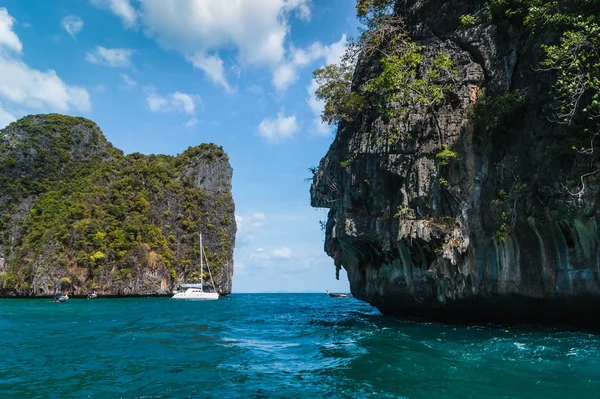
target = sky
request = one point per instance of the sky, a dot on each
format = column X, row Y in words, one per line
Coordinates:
column 159, row 76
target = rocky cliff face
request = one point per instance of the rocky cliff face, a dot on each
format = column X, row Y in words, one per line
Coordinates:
column 77, row 215
column 496, row 229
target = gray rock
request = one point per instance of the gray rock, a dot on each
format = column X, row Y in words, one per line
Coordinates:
column 413, row 246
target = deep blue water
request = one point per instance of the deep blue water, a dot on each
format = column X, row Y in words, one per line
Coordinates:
column 277, row 346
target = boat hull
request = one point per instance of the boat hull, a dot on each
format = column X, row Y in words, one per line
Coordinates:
column 206, row 296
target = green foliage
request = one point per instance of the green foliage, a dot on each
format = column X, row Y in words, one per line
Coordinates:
column 575, row 57
column 402, row 212
column 576, row 60
column 403, row 81
column 95, row 209
column 401, row 85
column 494, row 113
column 347, row 162
column 467, row 20
column 335, row 88
column 507, row 201
column 446, row 155
column 372, row 12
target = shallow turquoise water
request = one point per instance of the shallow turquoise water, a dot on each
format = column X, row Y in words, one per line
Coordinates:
column 280, row 345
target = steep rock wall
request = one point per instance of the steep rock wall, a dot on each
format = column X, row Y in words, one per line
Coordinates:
column 78, row 215
column 494, row 234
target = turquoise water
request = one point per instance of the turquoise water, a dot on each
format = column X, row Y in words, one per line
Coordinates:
column 277, row 346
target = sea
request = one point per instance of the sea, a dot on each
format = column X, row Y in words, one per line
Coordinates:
column 278, row 346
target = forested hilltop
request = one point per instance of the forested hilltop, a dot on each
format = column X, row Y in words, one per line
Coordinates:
column 77, row 215
column 463, row 180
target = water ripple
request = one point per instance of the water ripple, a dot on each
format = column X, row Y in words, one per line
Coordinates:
column 277, row 346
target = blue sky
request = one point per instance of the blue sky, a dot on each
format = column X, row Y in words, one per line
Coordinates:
column 159, row 76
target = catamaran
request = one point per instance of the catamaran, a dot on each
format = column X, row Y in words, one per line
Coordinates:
column 196, row 291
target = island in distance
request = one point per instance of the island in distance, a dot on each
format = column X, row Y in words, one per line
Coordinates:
column 76, row 214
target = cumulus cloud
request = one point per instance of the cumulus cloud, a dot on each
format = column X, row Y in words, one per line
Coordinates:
column 301, row 7
column 111, row 57
column 287, row 73
column 122, row 8
column 72, row 24
column 175, row 102
column 30, row 87
column 278, row 129
column 255, row 29
column 42, row 90
column 8, row 38
column 212, row 65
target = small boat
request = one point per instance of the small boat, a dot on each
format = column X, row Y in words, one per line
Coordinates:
column 196, row 291
column 338, row 295
column 92, row 295
column 61, row 298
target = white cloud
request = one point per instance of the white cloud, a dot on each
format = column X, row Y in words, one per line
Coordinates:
column 282, row 253
column 212, row 65
column 121, row 8
column 5, row 117
column 250, row 222
column 30, row 87
column 8, row 38
column 247, row 227
column 277, row 254
column 284, row 76
column 278, row 129
column 111, row 57
column 72, row 24
column 301, row 7
column 175, row 102
column 42, row 90
column 129, row 81
column 287, row 73
column 255, row 30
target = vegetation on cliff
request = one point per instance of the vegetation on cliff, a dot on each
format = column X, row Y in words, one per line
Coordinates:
column 486, row 191
column 79, row 214
column 385, row 73
column 402, row 81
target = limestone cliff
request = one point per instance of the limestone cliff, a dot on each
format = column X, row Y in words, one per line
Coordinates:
column 500, row 230
column 77, row 215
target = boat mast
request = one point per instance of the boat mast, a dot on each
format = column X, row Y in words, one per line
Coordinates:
column 201, row 265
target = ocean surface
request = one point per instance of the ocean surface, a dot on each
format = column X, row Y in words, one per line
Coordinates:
column 277, row 346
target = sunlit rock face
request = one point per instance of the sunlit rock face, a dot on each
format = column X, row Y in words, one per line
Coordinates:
column 503, row 231
column 76, row 214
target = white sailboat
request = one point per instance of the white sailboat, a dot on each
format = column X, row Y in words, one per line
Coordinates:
column 196, row 291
